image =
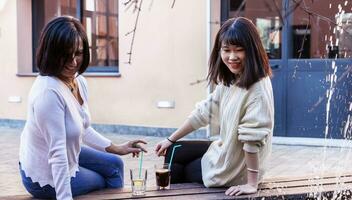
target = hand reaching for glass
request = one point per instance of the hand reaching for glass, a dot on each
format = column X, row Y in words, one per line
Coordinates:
column 161, row 147
column 134, row 147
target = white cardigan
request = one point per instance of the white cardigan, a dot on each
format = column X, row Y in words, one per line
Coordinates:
column 55, row 127
column 245, row 120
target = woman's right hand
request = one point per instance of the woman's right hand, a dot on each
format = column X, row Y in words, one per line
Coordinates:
column 161, row 147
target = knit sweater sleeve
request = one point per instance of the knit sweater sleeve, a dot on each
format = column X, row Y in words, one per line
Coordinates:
column 49, row 113
column 207, row 111
column 255, row 125
column 95, row 140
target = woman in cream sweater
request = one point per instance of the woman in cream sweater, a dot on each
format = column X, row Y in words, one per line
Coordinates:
column 242, row 109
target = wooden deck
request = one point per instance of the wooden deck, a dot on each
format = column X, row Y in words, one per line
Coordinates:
column 294, row 188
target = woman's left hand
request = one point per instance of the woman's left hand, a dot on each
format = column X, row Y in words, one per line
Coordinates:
column 241, row 189
column 134, row 147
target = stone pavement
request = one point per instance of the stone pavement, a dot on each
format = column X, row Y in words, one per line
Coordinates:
column 285, row 160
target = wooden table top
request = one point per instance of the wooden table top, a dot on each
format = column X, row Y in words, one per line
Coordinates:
column 294, row 188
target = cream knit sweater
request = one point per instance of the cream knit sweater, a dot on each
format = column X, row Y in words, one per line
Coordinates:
column 245, row 121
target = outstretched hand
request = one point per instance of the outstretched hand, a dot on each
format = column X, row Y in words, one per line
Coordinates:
column 134, row 147
column 241, row 189
column 161, row 147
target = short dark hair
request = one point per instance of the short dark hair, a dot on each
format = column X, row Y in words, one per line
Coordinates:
column 241, row 32
column 58, row 42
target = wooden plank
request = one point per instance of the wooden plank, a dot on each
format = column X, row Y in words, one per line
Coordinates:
column 296, row 188
column 17, row 197
column 285, row 193
column 210, row 193
column 153, row 188
column 155, row 193
column 282, row 193
column 123, row 192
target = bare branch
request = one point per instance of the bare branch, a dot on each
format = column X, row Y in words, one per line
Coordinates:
column 150, row 5
column 291, row 10
column 127, row 2
column 303, row 41
column 136, row 8
column 133, row 32
column 173, row 3
column 126, row 34
column 304, row 8
column 198, row 81
column 279, row 12
column 214, row 22
column 240, row 8
column 304, row 38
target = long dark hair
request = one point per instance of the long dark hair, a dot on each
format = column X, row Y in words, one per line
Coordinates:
column 58, row 42
column 241, row 32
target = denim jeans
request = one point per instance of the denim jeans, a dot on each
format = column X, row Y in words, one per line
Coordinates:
column 97, row 170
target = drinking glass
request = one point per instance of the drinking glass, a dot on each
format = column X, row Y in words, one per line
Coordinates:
column 162, row 174
column 138, row 181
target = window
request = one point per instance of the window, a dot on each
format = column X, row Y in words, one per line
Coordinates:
column 323, row 28
column 100, row 19
column 316, row 29
column 265, row 15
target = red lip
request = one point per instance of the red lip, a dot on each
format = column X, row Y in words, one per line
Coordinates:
column 235, row 65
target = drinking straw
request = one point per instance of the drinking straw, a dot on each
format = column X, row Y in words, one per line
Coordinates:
column 172, row 155
column 140, row 164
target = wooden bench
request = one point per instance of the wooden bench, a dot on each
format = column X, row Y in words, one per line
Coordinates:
column 280, row 188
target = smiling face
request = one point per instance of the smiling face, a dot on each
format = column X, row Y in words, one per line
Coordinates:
column 234, row 57
column 238, row 56
column 73, row 64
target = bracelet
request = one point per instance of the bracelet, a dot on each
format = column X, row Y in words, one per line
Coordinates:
column 253, row 170
column 173, row 142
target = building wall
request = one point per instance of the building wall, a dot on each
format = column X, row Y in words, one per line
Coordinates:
column 10, row 84
column 169, row 53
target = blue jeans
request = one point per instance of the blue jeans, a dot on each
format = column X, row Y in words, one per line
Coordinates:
column 97, row 170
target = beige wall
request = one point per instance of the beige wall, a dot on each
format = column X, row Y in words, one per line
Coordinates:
column 10, row 84
column 168, row 54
